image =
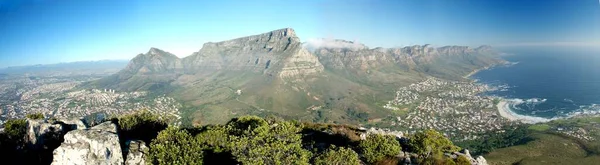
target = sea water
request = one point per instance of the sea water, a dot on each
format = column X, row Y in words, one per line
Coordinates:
column 547, row 82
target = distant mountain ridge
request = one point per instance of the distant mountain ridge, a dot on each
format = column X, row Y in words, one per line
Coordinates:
column 82, row 67
column 277, row 74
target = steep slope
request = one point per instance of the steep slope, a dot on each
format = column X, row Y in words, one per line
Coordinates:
column 275, row 74
column 277, row 52
column 451, row 62
column 153, row 70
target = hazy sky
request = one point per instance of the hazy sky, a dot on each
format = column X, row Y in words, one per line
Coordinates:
column 51, row 31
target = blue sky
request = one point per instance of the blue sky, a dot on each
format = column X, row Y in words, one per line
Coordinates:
column 52, row 31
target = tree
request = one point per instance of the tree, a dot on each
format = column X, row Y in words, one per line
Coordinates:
column 431, row 142
column 175, row 146
column 376, row 147
column 337, row 156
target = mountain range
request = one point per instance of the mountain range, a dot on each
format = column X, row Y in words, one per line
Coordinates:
column 274, row 73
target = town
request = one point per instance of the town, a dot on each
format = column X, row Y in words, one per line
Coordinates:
column 456, row 108
column 59, row 98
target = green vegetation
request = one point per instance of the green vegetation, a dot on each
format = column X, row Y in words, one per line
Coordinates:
column 555, row 142
column 490, row 141
column 243, row 140
column 175, row 146
column 35, row 116
column 539, row 127
column 376, row 147
column 337, row 156
column 141, row 125
column 545, row 149
column 430, row 142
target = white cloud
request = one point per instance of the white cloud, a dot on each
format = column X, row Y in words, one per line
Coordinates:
column 332, row 43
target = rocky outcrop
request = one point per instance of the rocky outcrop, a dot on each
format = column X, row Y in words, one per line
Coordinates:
column 137, row 153
column 96, row 145
column 38, row 131
column 73, row 123
column 480, row 160
column 373, row 130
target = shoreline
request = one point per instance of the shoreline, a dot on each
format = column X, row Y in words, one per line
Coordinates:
column 505, row 111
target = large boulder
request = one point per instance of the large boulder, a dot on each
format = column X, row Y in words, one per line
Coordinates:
column 137, row 153
column 96, row 145
column 39, row 131
column 74, row 123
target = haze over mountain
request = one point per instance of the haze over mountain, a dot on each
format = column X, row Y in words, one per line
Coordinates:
column 273, row 73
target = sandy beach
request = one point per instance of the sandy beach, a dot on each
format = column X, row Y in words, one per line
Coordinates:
column 504, row 110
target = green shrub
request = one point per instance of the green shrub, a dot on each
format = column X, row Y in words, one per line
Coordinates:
column 16, row 129
column 247, row 125
column 175, row 146
column 142, row 125
column 337, row 156
column 376, row 147
column 431, row 142
column 216, row 138
column 35, row 116
column 254, row 141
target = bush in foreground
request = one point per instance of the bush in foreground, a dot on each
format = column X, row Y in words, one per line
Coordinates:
column 175, row 146
column 430, row 142
column 376, row 147
column 337, row 156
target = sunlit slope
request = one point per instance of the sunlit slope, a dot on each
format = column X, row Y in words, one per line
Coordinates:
column 274, row 74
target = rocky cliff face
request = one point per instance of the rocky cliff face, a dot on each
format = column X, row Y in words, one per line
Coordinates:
column 277, row 52
column 406, row 57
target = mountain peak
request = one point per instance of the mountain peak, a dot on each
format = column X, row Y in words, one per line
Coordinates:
column 156, row 51
column 286, row 32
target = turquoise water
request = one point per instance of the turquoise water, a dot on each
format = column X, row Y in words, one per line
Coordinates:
column 547, row 82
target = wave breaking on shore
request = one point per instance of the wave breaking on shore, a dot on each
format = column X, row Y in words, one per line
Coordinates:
column 505, row 110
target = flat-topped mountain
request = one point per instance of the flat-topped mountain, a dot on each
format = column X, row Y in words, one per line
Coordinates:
column 275, row 73
column 277, row 52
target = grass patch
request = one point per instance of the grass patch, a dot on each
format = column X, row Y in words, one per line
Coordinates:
column 539, row 127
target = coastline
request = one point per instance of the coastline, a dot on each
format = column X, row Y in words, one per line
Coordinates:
column 503, row 105
column 505, row 111
column 468, row 76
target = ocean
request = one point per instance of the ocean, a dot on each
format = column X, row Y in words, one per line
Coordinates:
column 547, row 82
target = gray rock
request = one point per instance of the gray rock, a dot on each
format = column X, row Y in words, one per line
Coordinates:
column 36, row 129
column 137, row 153
column 96, row 145
column 481, row 161
column 75, row 123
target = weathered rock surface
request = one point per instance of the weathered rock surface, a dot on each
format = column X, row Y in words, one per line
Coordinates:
column 39, row 130
column 137, row 153
column 480, row 160
column 373, row 130
column 74, row 123
column 96, row 145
